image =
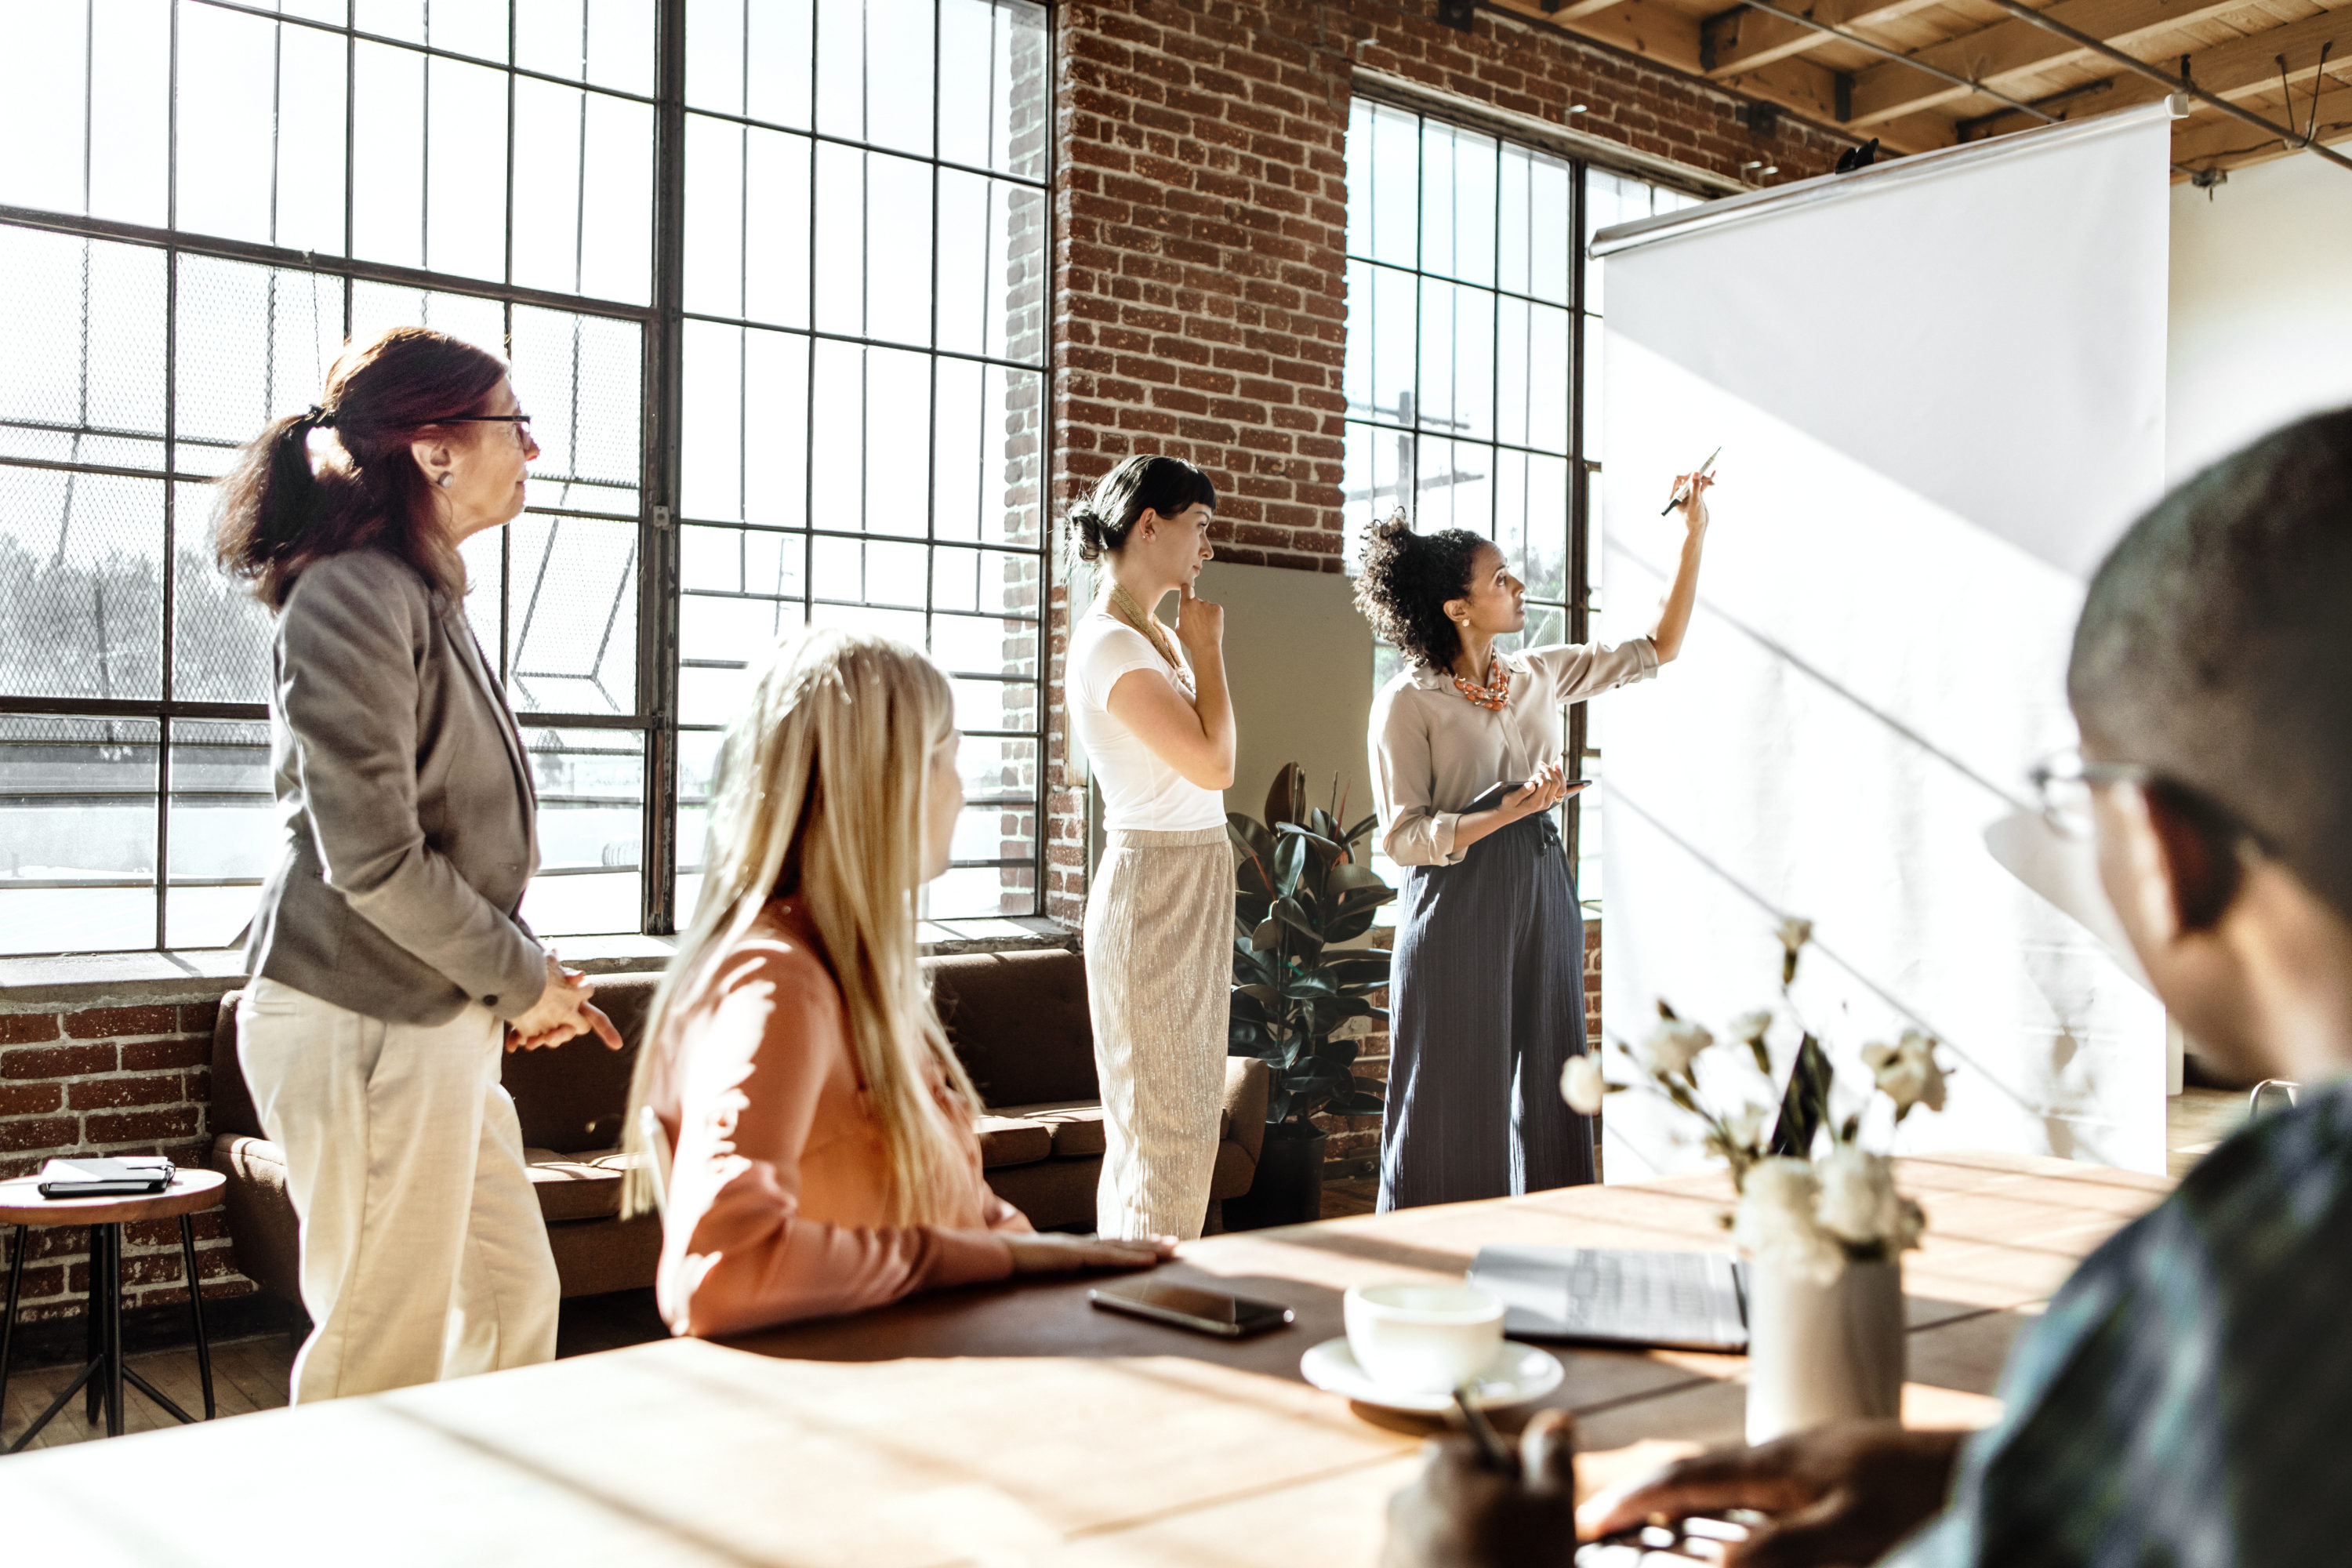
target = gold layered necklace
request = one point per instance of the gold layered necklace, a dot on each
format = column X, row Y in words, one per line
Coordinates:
column 1492, row 695
column 1123, row 607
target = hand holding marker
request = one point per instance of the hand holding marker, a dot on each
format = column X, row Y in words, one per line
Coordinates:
column 1682, row 492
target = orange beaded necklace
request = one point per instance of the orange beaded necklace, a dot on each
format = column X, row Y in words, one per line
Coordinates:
column 1492, row 695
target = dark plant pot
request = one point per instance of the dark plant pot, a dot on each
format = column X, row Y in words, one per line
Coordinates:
column 1288, row 1187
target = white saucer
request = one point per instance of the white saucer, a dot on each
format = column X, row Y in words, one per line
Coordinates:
column 1518, row 1374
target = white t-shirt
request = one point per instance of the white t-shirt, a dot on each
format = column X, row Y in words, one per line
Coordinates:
column 1140, row 790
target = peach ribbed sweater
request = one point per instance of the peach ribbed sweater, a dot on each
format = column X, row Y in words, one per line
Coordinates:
column 776, row 1204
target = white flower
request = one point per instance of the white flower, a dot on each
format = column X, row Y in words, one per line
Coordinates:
column 1749, row 1027
column 1906, row 1072
column 1581, row 1087
column 1794, row 933
column 1745, row 1125
column 1775, row 1224
column 1857, row 1202
column 1673, row 1046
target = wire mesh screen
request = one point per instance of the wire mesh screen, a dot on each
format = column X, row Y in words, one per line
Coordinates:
column 208, row 198
column 282, row 169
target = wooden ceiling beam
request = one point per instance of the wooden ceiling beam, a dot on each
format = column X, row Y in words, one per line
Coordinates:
column 2006, row 49
column 2228, row 143
column 2249, row 65
column 1742, row 40
column 1655, row 32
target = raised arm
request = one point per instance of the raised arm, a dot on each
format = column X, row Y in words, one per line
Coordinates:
column 1194, row 736
column 1682, row 593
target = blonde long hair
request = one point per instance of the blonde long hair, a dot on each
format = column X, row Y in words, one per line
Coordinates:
column 822, row 792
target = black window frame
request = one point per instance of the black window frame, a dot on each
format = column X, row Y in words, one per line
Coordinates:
column 654, row 715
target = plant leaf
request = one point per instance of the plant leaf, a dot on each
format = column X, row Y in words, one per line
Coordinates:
column 1286, row 799
column 1290, row 863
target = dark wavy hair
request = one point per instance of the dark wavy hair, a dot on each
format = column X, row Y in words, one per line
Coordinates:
column 279, row 514
column 1406, row 580
column 1100, row 524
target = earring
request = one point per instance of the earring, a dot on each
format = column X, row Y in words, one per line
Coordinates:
column 444, row 481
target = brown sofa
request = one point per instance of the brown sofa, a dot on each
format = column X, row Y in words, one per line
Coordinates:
column 1019, row 1022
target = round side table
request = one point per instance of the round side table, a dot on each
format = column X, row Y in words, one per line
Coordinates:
column 21, row 1206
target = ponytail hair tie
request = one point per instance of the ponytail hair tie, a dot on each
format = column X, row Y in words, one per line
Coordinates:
column 319, row 418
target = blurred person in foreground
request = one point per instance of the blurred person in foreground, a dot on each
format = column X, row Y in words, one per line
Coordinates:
column 827, row 1153
column 388, row 954
column 2185, row 1398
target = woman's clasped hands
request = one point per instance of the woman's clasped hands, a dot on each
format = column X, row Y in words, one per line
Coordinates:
column 562, row 1012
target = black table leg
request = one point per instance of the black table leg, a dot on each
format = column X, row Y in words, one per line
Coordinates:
column 113, row 1329
column 94, row 1325
column 195, row 1309
column 8, row 1325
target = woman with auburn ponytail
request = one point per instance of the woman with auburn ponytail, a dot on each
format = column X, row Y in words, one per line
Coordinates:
column 1158, row 727
column 388, row 955
column 827, row 1156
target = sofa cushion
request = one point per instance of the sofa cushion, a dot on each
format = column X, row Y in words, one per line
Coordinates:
column 232, row 1108
column 571, row 1097
column 1055, row 1195
column 1076, row 1125
column 1013, row 1141
column 1019, row 1022
column 585, row 1185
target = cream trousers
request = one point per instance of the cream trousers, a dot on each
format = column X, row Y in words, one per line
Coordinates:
column 1159, row 925
column 424, row 1256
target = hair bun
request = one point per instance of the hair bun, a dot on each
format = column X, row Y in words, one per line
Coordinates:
column 1087, row 532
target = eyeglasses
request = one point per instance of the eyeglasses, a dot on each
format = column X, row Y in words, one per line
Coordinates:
column 2064, row 783
column 521, row 423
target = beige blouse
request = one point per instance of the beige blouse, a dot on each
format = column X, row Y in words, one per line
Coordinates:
column 1434, row 752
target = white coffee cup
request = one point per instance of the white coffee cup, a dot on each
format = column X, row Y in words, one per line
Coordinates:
column 1423, row 1338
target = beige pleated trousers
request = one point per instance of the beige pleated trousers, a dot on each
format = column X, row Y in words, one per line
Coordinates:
column 1159, row 936
column 424, row 1255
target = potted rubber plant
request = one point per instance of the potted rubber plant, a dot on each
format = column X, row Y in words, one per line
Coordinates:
column 1300, row 1002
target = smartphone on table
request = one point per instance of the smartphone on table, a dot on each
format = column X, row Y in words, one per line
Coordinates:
column 1189, row 1307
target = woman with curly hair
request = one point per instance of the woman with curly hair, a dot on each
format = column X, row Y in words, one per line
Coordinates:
column 1486, row 997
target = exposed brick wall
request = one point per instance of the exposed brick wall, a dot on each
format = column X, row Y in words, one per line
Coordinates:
column 1200, row 301
column 133, row 1080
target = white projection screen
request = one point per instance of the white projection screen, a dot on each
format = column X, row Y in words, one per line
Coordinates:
column 1939, row 386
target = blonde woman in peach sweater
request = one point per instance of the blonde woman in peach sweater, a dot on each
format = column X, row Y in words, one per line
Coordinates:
column 826, row 1157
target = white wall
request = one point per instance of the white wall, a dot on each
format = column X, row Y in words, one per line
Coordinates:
column 1298, row 662
column 2262, row 306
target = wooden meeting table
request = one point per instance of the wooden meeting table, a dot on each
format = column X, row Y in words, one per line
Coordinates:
column 1014, row 1424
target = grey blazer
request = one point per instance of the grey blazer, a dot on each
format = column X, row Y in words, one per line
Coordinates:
column 406, row 798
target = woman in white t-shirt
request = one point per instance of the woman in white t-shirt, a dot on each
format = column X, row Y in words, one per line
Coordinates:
column 1156, row 724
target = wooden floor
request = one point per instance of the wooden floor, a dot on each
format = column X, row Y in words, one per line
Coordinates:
column 251, row 1374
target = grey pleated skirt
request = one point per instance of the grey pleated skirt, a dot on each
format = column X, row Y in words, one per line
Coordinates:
column 1159, row 924
column 1486, row 1006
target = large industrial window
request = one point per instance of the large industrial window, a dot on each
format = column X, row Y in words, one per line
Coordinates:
column 865, row 377
column 1472, row 379
column 204, row 200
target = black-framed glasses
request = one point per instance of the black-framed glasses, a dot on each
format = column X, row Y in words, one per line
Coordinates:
column 521, row 422
column 2063, row 781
